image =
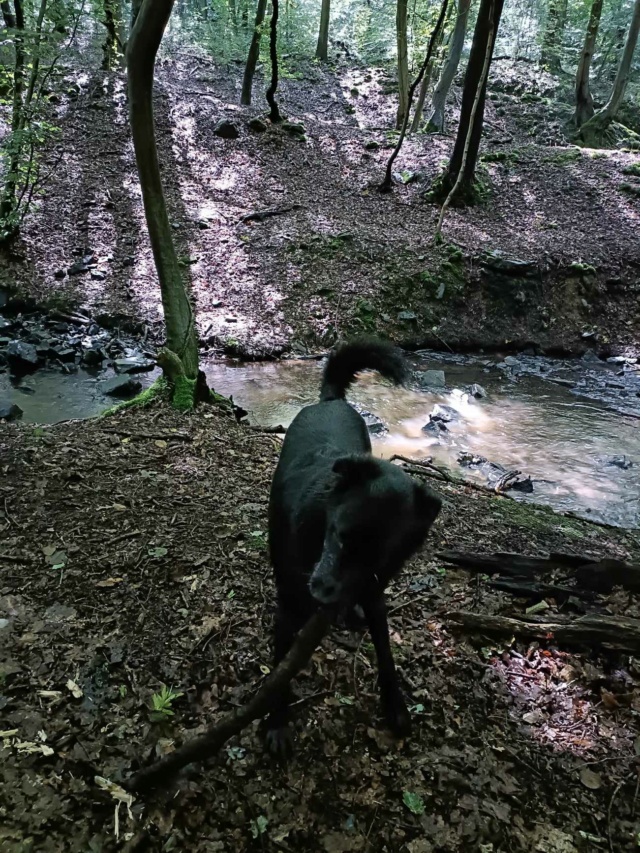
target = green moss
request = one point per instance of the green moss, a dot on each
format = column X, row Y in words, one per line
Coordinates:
column 495, row 156
column 582, row 269
column 145, row 398
column 564, row 158
column 184, row 391
column 632, row 169
column 632, row 189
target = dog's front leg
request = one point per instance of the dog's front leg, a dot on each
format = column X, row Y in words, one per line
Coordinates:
column 394, row 706
column 279, row 737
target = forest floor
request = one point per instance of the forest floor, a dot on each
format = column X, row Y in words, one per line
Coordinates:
column 345, row 258
column 134, row 555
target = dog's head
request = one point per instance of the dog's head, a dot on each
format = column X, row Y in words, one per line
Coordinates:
column 377, row 517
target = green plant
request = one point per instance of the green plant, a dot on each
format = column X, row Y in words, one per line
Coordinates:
column 161, row 704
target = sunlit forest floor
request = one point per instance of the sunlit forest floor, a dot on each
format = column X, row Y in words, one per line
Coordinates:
column 134, row 555
column 345, row 258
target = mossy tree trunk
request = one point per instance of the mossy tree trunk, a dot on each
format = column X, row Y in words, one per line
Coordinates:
column 593, row 130
column 274, row 113
column 584, row 100
column 426, row 81
column 550, row 50
column 464, row 158
column 254, row 53
column 112, row 46
column 322, row 48
column 179, row 360
column 403, row 62
column 8, row 204
column 439, row 100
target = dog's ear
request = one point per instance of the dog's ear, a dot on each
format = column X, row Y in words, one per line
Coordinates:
column 356, row 469
column 427, row 503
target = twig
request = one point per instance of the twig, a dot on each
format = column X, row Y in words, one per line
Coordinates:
column 261, row 215
column 410, row 601
column 204, row 747
column 122, row 536
column 157, row 436
column 14, row 558
column 269, row 430
column 613, row 796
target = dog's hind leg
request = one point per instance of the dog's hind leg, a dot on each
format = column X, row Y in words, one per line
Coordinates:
column 279, row 738
column 393, row 704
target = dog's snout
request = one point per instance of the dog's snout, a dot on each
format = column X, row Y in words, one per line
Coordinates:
column 323, row 589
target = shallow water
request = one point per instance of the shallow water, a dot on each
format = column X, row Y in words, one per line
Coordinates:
column 563, row 441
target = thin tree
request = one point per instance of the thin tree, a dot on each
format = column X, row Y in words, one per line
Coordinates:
column 274, row 113
column 403, row 62
column 439, row 100
column 467, row 145
column 552, row 37
column 426, row 80
column 254, row 53
column 593, row 130
column 322, row 48
column 179, row 358
column 474, row 110
column 387, row 183
column 584, row 101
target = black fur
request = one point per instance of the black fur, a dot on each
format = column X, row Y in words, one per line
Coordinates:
column 342, row 523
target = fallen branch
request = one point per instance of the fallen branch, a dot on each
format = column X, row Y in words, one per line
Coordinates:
column 261, row 215
column 612, row 632
column 207, row 745
column 153, row 436
column 536, row 590
column 269, row 430
column 14, row 558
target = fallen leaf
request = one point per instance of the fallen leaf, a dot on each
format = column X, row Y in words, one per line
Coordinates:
column 160, row 443
column 413, row 802
column 608, row 699
column 590, row 779
column 119, row 507
column 109, row 582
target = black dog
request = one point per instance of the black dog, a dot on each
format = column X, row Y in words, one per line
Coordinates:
column 342, row 523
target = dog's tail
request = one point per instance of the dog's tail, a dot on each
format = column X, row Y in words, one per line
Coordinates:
column 348, row 359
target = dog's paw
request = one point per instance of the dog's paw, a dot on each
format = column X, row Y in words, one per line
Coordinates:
column 279, row 742
column 398, row 717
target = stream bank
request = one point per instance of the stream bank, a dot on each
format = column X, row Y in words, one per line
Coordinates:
column 137, row 557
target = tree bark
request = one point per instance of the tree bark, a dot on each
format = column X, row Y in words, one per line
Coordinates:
column 438, row 102
column 594, row 128
column 424, row 86
column 136, row 5
column 208, row 744
column 181, row 358
column 274, row 114
column 112, row 45
column 254, row 53
column 550, row 51
column 473, row 100
column 584, row 100
column 403, row 62
column 322, row 47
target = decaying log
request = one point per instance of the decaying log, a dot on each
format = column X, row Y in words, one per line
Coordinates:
column 537, row 590
column 612, row 632
column 596, row 576
column 206, row 745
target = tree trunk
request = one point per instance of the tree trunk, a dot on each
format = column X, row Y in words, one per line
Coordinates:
column 274, row 114
column 111, row 45
column 403, row 62
column 323, row 36
column 592, row 130
column 386, row 184
column 584, row 101
column 436, row 119
column 8, row 204
column 254, row 53
column 467, row 145
column 180, row 358
column 550, row 50
column 424, row 86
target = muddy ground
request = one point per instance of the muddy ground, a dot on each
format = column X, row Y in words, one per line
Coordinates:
column 345, row 259
column 133, row 554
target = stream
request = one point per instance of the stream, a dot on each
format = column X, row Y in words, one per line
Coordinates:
column 571, row 426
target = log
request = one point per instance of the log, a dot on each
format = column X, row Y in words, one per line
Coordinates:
column 595, row 575
column 261, row 215
column 208, row 744
column 611, row 632
column 536, row 590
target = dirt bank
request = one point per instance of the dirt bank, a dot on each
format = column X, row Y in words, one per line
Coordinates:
column 344, row 258
column 132, row 554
